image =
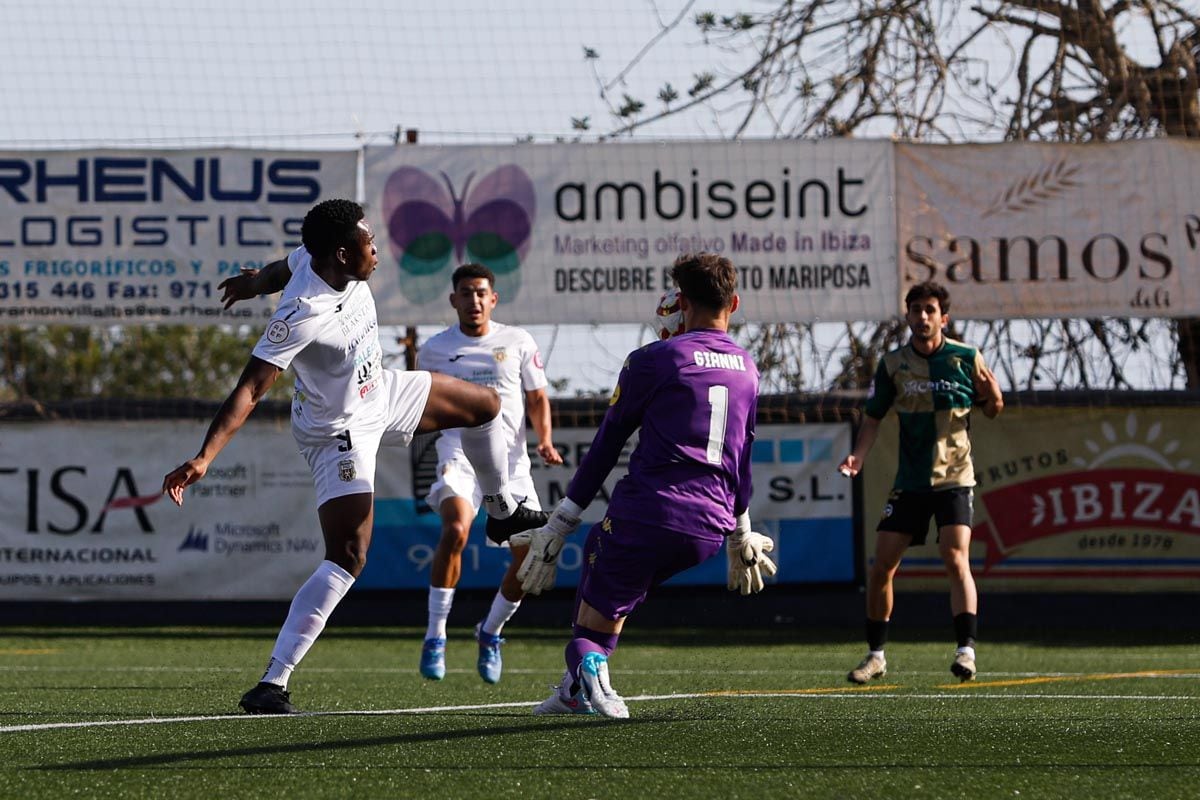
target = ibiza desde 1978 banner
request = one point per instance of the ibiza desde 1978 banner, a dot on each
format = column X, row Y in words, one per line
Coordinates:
column 586, row 233
column 1072, row 499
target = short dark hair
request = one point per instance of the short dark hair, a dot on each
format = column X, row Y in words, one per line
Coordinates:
column 926, row 290
column 472, row 270
column 706, row 279
column 329, row 225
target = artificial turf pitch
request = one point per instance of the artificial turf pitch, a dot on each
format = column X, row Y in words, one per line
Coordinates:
column 714, row 714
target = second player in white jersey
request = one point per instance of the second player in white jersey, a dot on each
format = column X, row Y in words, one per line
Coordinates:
column 505, row 359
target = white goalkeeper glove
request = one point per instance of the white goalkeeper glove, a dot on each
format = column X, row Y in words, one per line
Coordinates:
column 540, row 567
column 746, row 552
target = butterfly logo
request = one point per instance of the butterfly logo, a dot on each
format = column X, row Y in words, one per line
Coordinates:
column 432, row 228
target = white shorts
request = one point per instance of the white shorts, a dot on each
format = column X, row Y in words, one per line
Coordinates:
column 456, row 478
column 340, row 466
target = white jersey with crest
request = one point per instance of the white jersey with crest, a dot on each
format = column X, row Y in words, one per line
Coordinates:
column 505, row 359
column 331, row 339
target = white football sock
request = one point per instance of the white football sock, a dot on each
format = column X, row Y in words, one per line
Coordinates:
column 311, row 607
column 485, row 448
column 502, row 611
column 969, row 651
column 440, row 601
column 277, row 673
column 878, row 653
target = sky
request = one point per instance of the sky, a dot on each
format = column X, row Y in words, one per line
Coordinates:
column 301, row 74
column 320, row 75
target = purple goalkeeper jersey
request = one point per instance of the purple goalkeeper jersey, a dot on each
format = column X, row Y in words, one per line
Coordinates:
column 694, row 396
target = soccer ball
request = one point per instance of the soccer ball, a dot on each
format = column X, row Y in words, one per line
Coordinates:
column 668, row 316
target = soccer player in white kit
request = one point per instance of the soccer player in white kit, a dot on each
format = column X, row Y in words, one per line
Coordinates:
column 505, row 358
column 345, row 406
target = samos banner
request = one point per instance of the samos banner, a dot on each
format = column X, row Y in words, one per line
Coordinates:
column 1053, row 230
column 586, row 233
column 129, row 237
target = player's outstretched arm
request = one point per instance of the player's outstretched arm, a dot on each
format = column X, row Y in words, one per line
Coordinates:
column 250, row 283
column 257, row 378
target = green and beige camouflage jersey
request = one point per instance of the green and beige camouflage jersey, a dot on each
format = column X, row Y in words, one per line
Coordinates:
column 933, row 396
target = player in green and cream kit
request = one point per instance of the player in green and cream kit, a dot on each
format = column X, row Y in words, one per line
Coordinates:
column 932, row 382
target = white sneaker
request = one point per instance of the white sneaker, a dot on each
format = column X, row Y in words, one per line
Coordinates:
column 593, row 678
column 872, row 666
column 562, row 702
column 963, row 667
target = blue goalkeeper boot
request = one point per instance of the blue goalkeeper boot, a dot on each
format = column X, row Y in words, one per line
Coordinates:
column 433, row 659
column 489, row 664
column 593, row 678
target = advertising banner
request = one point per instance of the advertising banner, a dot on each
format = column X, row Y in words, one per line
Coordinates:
column 1069, row 499
column 1026, row 230
column 82, row 516
column 799, row 501
column 114, row 237
column 585, row 233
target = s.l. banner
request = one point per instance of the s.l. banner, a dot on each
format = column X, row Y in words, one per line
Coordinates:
column 799, row 501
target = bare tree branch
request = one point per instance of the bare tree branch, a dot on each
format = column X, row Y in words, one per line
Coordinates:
column 937, row 70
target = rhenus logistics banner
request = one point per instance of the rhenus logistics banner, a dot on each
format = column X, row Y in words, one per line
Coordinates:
column 129, row 237
column 586, row 233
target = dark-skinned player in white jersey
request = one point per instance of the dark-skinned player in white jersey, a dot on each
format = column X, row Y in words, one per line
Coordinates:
column 345, row 406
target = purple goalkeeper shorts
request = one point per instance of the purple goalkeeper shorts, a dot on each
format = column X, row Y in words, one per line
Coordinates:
column 624, row 560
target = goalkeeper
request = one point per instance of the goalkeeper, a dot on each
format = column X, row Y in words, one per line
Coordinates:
column 693, row 397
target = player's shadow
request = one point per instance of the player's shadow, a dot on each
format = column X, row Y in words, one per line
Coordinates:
column 325, row 745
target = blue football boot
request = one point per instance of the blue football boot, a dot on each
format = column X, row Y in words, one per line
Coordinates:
column 433, row 659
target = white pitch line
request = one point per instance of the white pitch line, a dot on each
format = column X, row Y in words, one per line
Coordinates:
column 837, row 695
column 555, row 672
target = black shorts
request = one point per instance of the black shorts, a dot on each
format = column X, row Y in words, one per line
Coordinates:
column 909, row 512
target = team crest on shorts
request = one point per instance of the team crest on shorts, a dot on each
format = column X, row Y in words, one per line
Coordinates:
column 500, row 353
column 346, row 471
